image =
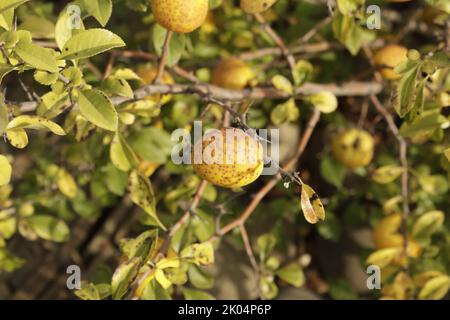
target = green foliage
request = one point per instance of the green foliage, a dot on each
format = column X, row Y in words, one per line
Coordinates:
column 94, row 135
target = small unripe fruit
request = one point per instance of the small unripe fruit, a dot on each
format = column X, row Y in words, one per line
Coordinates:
column 232, row 73
column 230, row 158
column 388, row 58
column 182, row 16
column 256, row 6
column 353, row 148
column 148, row 75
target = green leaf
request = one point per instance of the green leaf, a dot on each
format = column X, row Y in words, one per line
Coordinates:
column 98, row 109
column 419, row 102
column 67, row 184
column 282, row 83
column 428, row 223
column 201, row 254
column 99, row 9
column 176, row 46
column 49, row 228
column 5, row 170
column 8, row 4
column 4, row 115
column 292, row 274
column 325, row 101
column 199, row 278
column 331, row 171
column 45, row 78
column 64, row 29
column 141, row 193
column 9, row 262
column 387, row 174
column 88, row 43
column 423, row 125
column 4, row 70
column 152, row 144
column 405, row 92
column 37, row 56
column 118, row 87
column 7, row 19
column 36, row 123
column 190, row 294
column 123, row 276
column 265, row 245
column 39, row 27
column 121, row 154
column 88, row 291
column 285, row 112
column 143, row 246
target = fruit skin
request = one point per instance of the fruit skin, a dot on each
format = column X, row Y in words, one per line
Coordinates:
column 389, row 57
column 256, row 6
column 232, row 73
column 148, row 74
column 353, row 148
column 182, row 16
column 386, row 235
column 242, row 160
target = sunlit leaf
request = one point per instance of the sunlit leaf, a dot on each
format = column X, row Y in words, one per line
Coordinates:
column 5, row 170
column 312, row 207
column 88, row 43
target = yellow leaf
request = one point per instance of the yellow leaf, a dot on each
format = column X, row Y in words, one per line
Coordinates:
column 35, row 122
column 283, row 84
column 18, row 138
column 199, row 253
column 67, row 184
column 311, row 205
column 122, row 156
column 5, row 171
column 435, row 289
column 387, row 174
column 383, row 257
column 428, row 223
column 447, row 154
column 162, row 279
column 168, row 263
column 325, row 101
column 141, row 193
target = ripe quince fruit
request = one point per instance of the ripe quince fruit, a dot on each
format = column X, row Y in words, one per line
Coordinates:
column 232, row 73
column 230, row 158
column 182, row 16
column 388, row 58
column 353, row 148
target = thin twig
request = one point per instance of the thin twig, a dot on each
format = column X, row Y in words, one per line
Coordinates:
column 248, row 248
column 403, row 150
column 216, row 94
column 163, row 59
column 278, row 41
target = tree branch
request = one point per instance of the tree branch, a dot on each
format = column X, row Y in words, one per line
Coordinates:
column 211, row 92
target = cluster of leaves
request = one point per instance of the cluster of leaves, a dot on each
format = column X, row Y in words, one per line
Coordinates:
column 108, row 144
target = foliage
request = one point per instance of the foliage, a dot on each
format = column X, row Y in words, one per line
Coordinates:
column 85, row 133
